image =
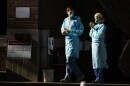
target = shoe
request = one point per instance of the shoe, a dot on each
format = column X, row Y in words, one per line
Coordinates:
column 80, row 78
column 96, row 82
column 64, row 81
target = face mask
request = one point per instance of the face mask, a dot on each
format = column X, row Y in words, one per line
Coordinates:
column 71, row 14
column 96, row 21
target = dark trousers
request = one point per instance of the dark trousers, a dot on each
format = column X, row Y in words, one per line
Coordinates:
column 71, row 66
column 99, row 75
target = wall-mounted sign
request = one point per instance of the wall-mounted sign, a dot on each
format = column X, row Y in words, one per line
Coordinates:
column 19, row 49
column 22, row 12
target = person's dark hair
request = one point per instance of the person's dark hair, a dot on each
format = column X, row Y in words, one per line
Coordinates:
column 70, row 7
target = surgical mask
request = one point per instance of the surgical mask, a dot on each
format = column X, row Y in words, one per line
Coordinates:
column 96, row 21
column 71, row 14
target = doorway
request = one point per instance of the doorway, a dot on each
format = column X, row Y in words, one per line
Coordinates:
column 3, row 17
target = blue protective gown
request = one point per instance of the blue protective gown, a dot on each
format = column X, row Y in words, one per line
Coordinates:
column 72, row 45
column 99, row 55
column 71, row 39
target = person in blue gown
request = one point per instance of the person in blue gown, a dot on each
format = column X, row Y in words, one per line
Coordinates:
column 99, row 55
column 71, row 28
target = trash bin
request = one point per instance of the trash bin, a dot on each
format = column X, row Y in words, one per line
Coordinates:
column 48, row 75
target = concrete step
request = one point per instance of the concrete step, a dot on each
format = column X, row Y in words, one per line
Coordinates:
column 56, row 84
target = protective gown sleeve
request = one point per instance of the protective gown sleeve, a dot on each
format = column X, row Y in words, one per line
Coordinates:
column 91, row 32
column 79, row 29
column 100, row 32
column 62, row 27
column 97, row 32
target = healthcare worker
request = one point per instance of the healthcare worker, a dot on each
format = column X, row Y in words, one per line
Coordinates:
column 99, row 55
column 71, row 29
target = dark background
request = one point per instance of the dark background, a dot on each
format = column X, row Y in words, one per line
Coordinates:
column 116, row 14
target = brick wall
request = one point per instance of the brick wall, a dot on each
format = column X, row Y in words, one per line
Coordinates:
column 29, row 68
column 29, row 23
column 50, row 13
